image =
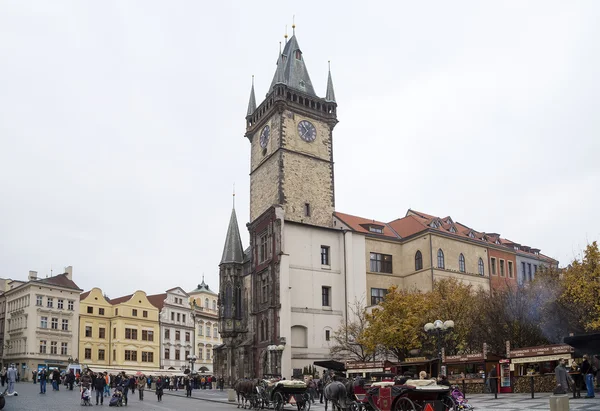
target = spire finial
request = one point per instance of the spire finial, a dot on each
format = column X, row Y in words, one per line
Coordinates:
column 285, row 35
column 294, row 25
column 328, row 64
column 280, row 48
column 253, row 80
column 233, row 195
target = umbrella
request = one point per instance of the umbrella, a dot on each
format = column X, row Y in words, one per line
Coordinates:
column 139, row 373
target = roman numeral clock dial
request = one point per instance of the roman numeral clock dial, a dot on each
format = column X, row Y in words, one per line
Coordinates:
column 264, row 136
column 307, row 131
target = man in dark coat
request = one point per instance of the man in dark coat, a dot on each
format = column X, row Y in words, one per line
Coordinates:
column 493, row 380
column 563, row 379
column 99, row 384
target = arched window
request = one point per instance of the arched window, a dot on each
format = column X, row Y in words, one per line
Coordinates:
column 206, row 303
column 441, row 259
column 461, row 263
column 238, row 303
column 262, row 330
column 481, row 267
column 299, row 336
column 214, row 305
column 418, row 261
column 228, row 301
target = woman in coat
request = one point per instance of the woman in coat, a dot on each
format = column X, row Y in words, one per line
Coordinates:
column 159, row 389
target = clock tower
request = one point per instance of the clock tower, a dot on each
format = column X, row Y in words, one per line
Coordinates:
column 291, row 137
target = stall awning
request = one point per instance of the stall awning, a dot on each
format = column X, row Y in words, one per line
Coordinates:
column 331, row 365
column 541, row 358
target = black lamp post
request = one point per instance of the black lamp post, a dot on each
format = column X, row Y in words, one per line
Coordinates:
column 192, row 359
column 439, row 329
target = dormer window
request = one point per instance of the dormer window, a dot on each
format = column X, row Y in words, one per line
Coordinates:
column 452, row 230
column 497, row 242
column 302, row 83
column 377, row 230
column 298, row 55
column 471, row 235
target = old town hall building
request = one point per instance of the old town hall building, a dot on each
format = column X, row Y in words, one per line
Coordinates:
column 283, row 296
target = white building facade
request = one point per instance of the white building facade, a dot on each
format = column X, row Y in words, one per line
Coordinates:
column 204, row 304
column 41, row 322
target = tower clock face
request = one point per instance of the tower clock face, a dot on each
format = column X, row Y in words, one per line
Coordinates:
column 307, row 131
column 264, row 136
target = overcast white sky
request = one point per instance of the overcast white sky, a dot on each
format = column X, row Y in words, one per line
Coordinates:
column 122, row 123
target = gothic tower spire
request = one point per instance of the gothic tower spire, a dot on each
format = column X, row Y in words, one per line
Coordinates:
column 329, row 95
column 291, row 69
column 233, row 251
column 252, row 102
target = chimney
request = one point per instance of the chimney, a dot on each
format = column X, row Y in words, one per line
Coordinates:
column 69, row 272
column 32, row 275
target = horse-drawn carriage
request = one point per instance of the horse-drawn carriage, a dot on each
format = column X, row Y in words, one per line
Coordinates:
column 276, row 394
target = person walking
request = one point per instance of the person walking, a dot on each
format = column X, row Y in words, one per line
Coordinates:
column 43, row 379
column 34, row 376
column 3, row 376
column 588, row 374
column 493, row 380
column 71, row 379
column 107, row 386
column 125, row 385
column 99, row 385
column 11, row 376
column 563, row 379
column 159, row 389
column 188, row 386
column 132, row 384
column 141, row 383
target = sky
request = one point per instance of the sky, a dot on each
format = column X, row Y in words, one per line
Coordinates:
column 122, row 124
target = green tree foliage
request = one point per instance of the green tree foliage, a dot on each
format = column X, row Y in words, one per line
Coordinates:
column 348, row 341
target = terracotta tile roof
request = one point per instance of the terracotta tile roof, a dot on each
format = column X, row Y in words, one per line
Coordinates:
column 361, row 225
column 158, row 300
column 409, row 225
column 60, row 280
column 115, row 301
column 83, row 296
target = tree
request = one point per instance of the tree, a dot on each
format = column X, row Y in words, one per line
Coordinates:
column 397, row 325
column 581, row 289
column 349, row 339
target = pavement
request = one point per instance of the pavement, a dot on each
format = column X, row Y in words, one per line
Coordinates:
column 30, row 399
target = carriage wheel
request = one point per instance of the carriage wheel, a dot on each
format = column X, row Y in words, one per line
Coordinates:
column 405, row 404
column 355, row 406
column 304, row 403
column 278, row 401
column 450, row 403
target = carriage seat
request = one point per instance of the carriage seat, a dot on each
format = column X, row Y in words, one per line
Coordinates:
column 420, row 383
column 382, row 384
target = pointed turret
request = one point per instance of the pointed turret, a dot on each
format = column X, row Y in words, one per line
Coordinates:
column 291, row 69
column 330, row 95
column 233, row 251
column 252, row 102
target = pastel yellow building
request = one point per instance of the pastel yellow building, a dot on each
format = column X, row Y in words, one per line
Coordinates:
column 120, row 334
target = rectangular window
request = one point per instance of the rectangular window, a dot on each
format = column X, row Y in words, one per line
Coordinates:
column 134, row 312
column 201, row 330
column 187, row 354
column 88, row 354
column 306, row 209
column 501, row 268
column 327, row 335
column 524, row 273
column 172, row 316
column 71, row 305
column 529, row 271
column 39, row 300
column 494, row 266
column 88, row 331
column 177, row 335
column 90, row 310
column 114, row 355
column 60, row 304
column 50, row 302
column 65, row 325
column 114, row 333
column 215, row 332
column 44, row 322
column 534, row 268
column 178, row 317
column 183, row 318
column 381, row 263
column 147, row 335
column 54, row 323
column 63, row 348
column 208, row 353
column 263, row 250
column 101, row 311
column 208, row 331
column 326, row 296
column 187, row 337
column 377, row 295
column 147, row 356
column 177, row 355
column 510, row 269
column 145, row 314
column 116, row 311
column 100, row 355
column 167, row 354
column 324, row 255
column 42, row 346
column 102, row 333
column 167, row 334
column 53, row 347
column 130, row 355
column 200, row 353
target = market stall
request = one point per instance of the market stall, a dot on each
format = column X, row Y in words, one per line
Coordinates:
column 469, row 371
column 414, row 365
column 535, row 366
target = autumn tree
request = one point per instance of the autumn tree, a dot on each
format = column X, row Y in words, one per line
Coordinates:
column 581, row 289
column 396, row 325
column 349, row 339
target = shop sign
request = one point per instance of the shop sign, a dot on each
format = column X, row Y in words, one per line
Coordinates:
column 415, row 359
column 370, row 365
column 464, row 358
column 363, row 370
column 537, row 359
column 541, row 350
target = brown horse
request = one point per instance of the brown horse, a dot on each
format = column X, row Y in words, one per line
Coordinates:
column 244, row 388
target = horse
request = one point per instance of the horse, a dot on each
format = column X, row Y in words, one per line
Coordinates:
column 245, row 388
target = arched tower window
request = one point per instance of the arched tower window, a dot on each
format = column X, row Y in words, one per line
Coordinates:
column 238, row 303
column 441, row 263
column 228, row 301
column 461, row 263
column 481, row 267
column 418, row 261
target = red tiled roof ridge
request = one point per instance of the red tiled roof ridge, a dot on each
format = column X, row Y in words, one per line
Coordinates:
column 356, row 223
column 119, row 300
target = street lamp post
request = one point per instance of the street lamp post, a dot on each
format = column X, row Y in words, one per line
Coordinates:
column 439, row 329
column 192, row 359
column 277, row 352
